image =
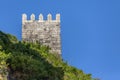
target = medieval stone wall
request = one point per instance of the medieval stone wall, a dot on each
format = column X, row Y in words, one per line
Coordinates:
column 46, row 32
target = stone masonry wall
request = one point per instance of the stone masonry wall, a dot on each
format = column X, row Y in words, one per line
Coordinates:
column 46, row 32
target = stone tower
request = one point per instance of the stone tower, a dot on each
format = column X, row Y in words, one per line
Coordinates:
column 46, row 32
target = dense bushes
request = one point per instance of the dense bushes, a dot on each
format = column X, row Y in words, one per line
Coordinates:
column 28, row 61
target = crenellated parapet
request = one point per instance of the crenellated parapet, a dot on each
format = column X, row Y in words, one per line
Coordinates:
column 40, row 19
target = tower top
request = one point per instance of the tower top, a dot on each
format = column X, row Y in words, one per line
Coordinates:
column 40, row 19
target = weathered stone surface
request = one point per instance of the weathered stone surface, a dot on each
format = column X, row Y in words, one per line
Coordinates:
column 46, row 32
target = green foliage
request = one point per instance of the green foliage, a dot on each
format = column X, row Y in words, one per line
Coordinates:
column 3, row 64
column 28, row 61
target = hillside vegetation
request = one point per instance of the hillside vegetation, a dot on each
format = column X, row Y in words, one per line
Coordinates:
column 27, row 61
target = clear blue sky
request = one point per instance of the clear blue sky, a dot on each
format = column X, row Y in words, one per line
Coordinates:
column 90, row 31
